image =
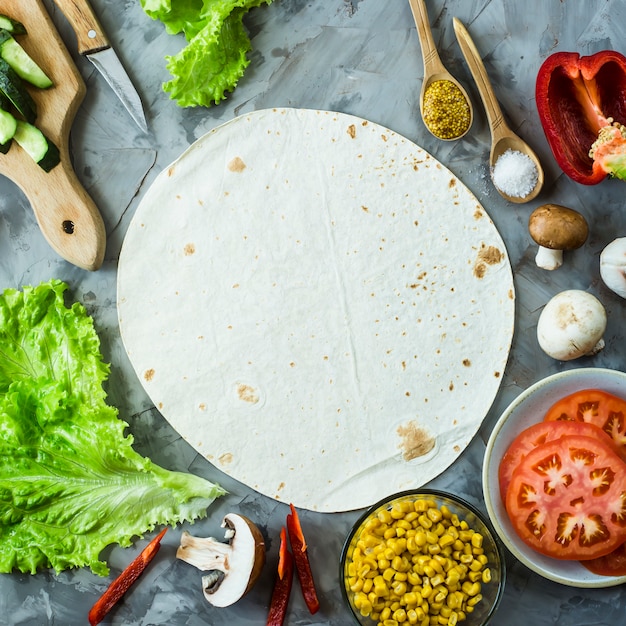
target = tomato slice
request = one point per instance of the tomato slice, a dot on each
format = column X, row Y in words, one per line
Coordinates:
column 538, row 434
column 611, row 564
column 567, row 498
column 596, row 407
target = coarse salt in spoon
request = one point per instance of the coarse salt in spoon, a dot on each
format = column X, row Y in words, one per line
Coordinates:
column 515, row 169
column 444, row 104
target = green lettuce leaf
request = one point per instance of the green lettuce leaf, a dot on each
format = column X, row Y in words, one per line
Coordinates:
column 217, row 52
column 70, row 481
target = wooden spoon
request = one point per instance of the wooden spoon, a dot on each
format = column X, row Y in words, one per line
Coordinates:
column 502, row 137
column 67, row 216
column 434, row 69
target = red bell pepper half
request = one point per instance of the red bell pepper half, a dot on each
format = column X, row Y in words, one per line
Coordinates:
column 581, row 103
column 282, row 586
column 301, row 558
column 123, row 582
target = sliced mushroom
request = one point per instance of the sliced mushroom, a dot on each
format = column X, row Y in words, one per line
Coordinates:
column 556, row 228
column 613, row 266
column 571, row 325
column 233, row 567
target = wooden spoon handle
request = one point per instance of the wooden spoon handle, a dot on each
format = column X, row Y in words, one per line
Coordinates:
column 494, row 113
column 430, row 55
column 90, row 35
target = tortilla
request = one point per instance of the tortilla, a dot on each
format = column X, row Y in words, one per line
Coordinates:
column 317, row 306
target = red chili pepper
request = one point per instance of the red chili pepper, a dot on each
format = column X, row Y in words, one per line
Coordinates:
column 282, row 586
column 301, row 558
column 577, row 97
column 123, row 582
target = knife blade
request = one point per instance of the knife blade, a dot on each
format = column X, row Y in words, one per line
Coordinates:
column 94, row 44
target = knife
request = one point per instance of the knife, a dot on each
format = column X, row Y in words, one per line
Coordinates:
column 93, row 43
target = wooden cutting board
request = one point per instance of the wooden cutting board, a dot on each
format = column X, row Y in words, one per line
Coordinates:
column 67, row 216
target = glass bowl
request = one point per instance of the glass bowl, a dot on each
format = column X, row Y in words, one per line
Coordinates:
column 397, row 527
column 528, row 409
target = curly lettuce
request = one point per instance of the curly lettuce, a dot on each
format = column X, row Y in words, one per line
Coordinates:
column 70, row 481
column 216, row 55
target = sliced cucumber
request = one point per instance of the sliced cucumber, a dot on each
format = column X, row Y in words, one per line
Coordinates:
column 11, row 25
column 21, row 62
column 13, row 88
column 8, row 126
column 37, row 145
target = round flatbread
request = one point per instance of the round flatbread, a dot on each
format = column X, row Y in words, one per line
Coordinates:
column 317, row 306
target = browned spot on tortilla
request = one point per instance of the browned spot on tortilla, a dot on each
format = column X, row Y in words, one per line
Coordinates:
column 457, row 448
column 247, row 393
column 190, row 249
column 281, row 487
column 171, row 170
column 365, row 208
column 148, row 374
column 467, row 362
column 352, row 131
column 202, row 406
column 497, row 374
column 452, row 183
column 478, row 214
column 451, row 386
column 383, row 137
column 236, row 165
column 415, row 441
column 226, row 458
column 487, row 255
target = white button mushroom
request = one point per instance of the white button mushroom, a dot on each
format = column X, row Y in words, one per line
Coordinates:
column 233, row 567
column 571, row 325
column 556, row 228
column 613, row 266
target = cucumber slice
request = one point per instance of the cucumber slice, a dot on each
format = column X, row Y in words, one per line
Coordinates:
column 21, row 62
column 8, row 126
column 37, row 145
column 13, row 88
column 11, row 25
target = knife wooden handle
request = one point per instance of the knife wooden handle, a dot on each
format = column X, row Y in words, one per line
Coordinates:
column 90, row 35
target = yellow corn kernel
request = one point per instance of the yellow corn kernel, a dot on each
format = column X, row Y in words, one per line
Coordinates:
column 486, row 575
column 446, row 540
column 399, row 588
column 477, row 540
column 390, row 533
column 471, row 589
column 424, row 521
column 420, row 539
column 399, row 615
column 388, row 574
column 385, row 517
column 356, row 586
column 434, row 514
column 474, row 600
column 475, row 576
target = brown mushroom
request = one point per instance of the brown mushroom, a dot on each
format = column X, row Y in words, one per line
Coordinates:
column 233, row 567
column 556, row 228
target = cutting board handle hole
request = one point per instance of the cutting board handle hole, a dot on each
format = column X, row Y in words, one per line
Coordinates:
column 68, row 227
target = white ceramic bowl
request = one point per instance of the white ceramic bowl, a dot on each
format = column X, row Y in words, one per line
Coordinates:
column 527, row 409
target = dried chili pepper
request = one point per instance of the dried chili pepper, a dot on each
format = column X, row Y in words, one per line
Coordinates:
column 582, row 107
column 282, row 586
column 301, row 558
column 123, row 582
